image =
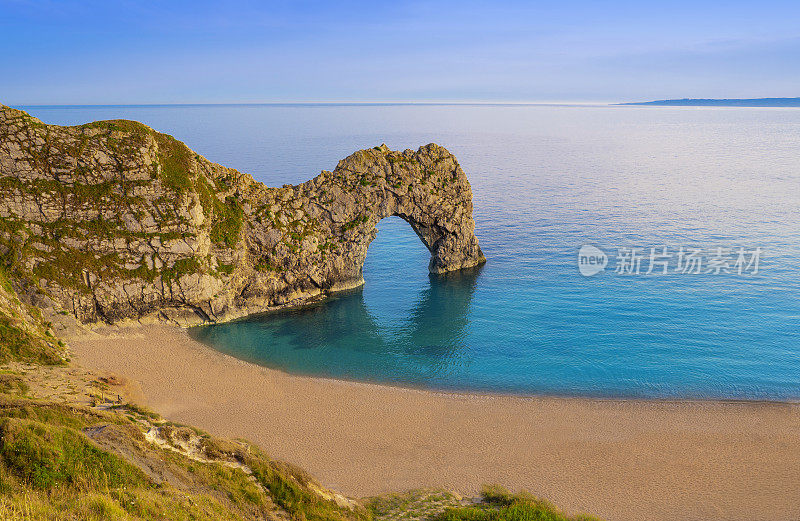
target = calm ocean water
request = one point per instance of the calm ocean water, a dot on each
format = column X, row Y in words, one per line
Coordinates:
column 546, row 180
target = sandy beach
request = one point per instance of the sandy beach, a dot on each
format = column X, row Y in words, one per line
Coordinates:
column 618, row 459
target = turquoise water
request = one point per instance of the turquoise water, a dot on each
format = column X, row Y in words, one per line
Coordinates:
column 547, row 180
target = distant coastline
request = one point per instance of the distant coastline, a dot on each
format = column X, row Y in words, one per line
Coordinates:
column 751, row 102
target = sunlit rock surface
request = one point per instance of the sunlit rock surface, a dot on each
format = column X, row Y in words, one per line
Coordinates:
column 113, row 220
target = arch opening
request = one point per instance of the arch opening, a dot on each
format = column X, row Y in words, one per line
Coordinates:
column 396, row 254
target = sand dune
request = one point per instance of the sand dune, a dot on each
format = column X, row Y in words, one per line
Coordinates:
column 622, row 460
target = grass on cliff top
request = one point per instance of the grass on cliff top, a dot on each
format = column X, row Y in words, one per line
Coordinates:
column 124, row 125
column 499, row 504
column 175, row 158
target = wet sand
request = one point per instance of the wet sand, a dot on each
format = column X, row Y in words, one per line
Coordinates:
column 618, row 459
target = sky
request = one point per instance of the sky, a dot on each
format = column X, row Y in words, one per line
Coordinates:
column 236, row 51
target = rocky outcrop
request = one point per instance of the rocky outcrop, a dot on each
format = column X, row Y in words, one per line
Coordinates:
column 113, row 220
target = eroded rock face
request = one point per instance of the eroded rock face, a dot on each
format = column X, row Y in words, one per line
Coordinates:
column 113, row 220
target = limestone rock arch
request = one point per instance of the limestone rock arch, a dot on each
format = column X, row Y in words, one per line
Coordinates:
column 113, row 220
column 426, row 188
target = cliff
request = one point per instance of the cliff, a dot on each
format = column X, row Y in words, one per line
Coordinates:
column 113, row 220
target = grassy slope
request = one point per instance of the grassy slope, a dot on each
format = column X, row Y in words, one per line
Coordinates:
column 24, row 336
column 48, row 466
column 495, row 504
column 498, row 504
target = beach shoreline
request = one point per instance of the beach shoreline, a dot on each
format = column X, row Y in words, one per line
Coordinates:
column 618, row 458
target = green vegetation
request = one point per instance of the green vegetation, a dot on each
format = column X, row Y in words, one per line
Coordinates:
column 139, row 412
column 229, row 217
column 295, row 495
column 123, row 125
column 5, row 282
column 47, row 240
column 225, row 269
column 264, row 265
column 414, row 505
column 48, row 467
column 46, row 456
column 496, row 504
column 180, row 268
column 12, row 384
column 54, row 414
column 500, row 505
column 361, row 219
column 174, row 158
column 18, row 344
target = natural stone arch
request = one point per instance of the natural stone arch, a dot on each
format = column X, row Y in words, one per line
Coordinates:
column 426, row 188
column 112, row 220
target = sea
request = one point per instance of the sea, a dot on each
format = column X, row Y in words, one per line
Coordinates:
column 632, row 251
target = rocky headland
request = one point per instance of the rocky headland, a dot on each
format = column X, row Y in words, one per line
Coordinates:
column 112, row 220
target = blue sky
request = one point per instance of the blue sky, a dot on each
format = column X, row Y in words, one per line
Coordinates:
column 98, row 52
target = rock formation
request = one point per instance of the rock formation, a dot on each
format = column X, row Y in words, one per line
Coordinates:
column 113, row 220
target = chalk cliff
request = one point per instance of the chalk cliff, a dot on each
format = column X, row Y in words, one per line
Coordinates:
column 113, row 220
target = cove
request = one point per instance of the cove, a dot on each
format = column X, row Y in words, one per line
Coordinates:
column 404, row 326
column 532, row 330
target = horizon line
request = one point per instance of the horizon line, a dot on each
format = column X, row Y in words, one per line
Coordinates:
column 311, row 103
column 557, row 103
